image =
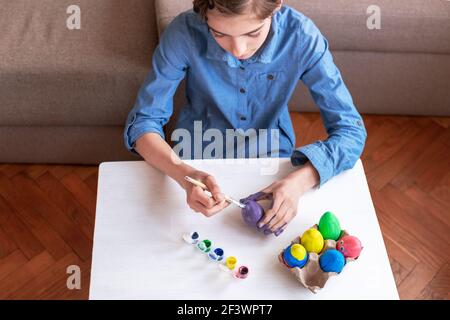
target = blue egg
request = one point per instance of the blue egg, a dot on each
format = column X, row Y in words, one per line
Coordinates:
column 291, row 261
column 332, row 261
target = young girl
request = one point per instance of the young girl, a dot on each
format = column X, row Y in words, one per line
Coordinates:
column 242, row 60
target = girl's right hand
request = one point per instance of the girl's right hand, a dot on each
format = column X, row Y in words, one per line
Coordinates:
column 199, row 201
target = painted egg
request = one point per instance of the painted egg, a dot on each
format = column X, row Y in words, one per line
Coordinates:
column 312, row 240
column 329, row 226
column 350, row 246
column 252, row 213
column 332, row 261
column 295, row 256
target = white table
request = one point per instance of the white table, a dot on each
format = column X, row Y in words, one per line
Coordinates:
column 141, row 215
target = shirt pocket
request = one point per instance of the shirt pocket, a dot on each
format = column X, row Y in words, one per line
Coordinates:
column 270, row 77
column 268, row 85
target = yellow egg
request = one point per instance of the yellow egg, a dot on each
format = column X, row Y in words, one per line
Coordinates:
column 298, row 251
column 312, row 240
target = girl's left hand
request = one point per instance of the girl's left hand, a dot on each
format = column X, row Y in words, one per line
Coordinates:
column 285, row 194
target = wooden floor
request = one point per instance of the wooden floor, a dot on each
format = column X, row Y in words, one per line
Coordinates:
column 47, row 212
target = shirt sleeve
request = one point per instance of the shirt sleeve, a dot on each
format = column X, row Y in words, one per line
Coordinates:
column 343, row 123
column 154, row 104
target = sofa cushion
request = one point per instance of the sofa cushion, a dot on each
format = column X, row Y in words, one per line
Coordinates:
column 406, row 25
column 51, row 75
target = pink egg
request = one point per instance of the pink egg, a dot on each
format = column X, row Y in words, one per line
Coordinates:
column 350, row 246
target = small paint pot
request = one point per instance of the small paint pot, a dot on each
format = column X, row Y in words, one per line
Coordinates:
column 229, row 264
column 242, row 272
column 204, row 245
column 191, row 238
column 216, row 254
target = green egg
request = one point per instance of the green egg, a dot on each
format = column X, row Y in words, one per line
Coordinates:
column 329, row 226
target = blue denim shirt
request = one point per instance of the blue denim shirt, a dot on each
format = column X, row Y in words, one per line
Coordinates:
column 224, row 92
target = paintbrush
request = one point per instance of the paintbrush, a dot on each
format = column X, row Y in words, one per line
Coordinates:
column 205, row 188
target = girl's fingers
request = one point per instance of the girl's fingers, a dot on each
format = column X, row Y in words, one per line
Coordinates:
column 280, row 230
column 195, row 206
column 213, row 187
column 212, row 211
column 217, row 208
column 282, row 211
column 199, row 195
column 271, row 212
column 284, row 220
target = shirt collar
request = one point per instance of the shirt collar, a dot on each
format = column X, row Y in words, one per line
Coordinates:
column 265, row 54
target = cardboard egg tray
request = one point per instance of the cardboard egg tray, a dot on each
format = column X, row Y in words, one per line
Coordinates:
column 311, row 276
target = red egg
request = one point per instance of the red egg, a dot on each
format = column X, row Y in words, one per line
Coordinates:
column 350, row 246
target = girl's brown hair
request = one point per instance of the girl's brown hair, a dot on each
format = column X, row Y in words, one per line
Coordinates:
column 262, row 8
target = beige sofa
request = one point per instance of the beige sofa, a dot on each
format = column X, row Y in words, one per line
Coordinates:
column 65, row 94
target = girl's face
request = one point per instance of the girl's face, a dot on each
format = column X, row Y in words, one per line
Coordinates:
column 240, row 35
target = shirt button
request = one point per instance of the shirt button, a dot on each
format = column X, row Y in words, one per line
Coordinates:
column 270, row 76
column 242, row 68
column 242, row 90
column 243, row 118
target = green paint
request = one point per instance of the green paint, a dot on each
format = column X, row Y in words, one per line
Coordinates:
column 205, row 245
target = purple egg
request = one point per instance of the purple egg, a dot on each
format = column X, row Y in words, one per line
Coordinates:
column 254, row 212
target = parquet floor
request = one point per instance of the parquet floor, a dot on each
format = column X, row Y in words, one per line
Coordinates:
column 47, row 211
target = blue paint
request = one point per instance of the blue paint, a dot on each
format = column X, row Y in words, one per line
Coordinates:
column 216, row 254
column 191, row 238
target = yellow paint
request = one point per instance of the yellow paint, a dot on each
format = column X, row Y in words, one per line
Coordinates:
column 231, row 262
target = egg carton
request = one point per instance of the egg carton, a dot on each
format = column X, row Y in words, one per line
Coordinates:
column 311, row 276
